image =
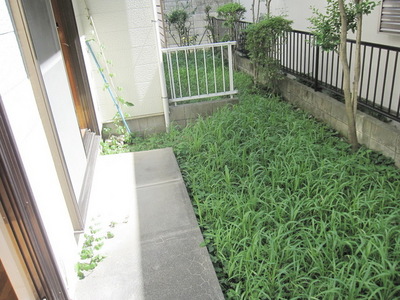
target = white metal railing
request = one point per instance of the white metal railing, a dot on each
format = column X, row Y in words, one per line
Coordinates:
column 199, row 71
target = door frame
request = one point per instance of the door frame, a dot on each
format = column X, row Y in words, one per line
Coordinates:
column 35, row 76
column 70, row 43
column 19, row 210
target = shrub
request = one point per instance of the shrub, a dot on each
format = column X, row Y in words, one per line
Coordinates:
column 262, row 42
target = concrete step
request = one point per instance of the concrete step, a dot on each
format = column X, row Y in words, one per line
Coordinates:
column 157, row 253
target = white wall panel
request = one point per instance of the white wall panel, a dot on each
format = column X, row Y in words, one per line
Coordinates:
column 300, row 11
column 127, row 34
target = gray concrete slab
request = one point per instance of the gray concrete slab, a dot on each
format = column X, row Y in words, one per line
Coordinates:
column 164, row 208
column 156, row 251
column 175, row 267
column 174, row 264
column 113, row 200
column 156, row 166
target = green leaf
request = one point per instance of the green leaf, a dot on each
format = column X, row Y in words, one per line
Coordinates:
column 81, row 275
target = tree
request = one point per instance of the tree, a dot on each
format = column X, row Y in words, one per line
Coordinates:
column 330, row 30
column 179, row 19
column 232, row 13
column 209, row 27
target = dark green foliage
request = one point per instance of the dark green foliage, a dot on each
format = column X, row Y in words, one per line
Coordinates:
column 326, row 27
column 231, row 13
column 177, row 19
column 262, row 41
column 177, row 16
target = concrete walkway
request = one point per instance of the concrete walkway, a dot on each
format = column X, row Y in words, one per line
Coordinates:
column 155, row 252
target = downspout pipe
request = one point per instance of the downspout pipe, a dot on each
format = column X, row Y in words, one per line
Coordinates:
column 164, row 94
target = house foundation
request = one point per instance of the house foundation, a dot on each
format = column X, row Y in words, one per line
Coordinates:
column 181, row 115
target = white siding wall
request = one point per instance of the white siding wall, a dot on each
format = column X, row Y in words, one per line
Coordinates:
column 299, row 12
column 21, row 107
column 128, row 35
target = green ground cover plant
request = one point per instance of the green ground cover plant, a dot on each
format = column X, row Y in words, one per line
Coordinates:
column 286, row 209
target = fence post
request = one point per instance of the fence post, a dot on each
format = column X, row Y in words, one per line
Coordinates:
column 316, row 69
column 230, row 60
column 215, row 26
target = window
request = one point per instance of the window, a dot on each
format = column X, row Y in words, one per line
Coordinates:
column 390, row 16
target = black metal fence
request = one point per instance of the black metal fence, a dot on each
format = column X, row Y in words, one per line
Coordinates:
column 379, row 89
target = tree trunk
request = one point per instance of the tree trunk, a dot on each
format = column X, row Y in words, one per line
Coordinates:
column 253, row 11
column 350, row 112
column 258, row 11
column 357, row 66
column 268, row 5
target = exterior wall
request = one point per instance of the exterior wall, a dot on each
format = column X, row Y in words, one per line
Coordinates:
column 24, row 114
column 300, row 11
column 181, row 115
column 198, row 22
column 127, row 34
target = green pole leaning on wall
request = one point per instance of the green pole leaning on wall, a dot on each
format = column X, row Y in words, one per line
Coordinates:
column 107, row 85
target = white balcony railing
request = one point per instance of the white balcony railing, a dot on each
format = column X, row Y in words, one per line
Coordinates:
column 199, row 71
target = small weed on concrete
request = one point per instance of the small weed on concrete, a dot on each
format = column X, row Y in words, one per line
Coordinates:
column 90, row 255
